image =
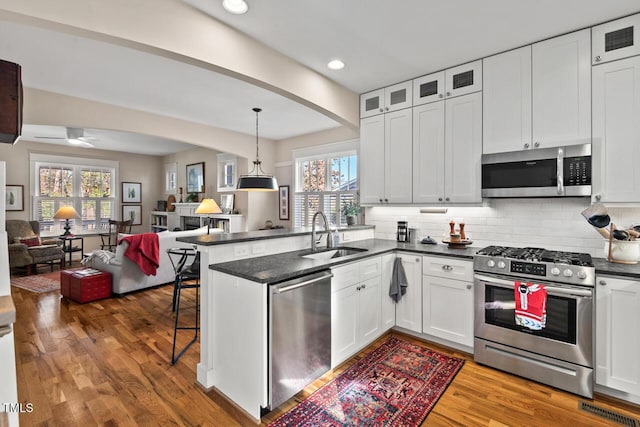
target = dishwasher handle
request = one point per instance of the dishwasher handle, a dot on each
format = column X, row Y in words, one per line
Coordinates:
column 282, row 288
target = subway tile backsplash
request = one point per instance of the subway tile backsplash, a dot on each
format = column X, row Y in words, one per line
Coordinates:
column 548, row 222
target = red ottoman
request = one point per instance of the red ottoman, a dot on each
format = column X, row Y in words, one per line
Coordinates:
column 85, row 284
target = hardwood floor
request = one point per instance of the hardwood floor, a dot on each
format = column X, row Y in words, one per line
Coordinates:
column 108, row 363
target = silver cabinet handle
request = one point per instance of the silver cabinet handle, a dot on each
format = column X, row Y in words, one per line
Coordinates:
column 602, row 283
column 386, row 200
column 417, row 259
column 537, row 144
column 439, row 199
column 380, row 200
column 446, row 199
column 598, row 197
column 358, row 288
column 386, row 108
column 598, row 59
column 363, row 286
column 381, row 110
column 448, row 93
column 447, row 267
column 469, row 286
column 440, row 96
column 526, row 145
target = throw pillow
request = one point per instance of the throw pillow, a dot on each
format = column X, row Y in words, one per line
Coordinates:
column 29, row 241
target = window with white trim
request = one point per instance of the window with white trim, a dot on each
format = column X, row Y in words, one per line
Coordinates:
column 325, row 182
column 171, row 178
column 86, row 184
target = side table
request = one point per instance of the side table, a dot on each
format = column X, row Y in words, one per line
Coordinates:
column 67, row 245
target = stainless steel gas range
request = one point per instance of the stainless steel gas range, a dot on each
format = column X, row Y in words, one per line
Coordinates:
column 558, row 350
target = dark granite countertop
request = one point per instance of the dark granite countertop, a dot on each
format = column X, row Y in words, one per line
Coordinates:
column 615, row 269
column 288, row 265
column 275, row 233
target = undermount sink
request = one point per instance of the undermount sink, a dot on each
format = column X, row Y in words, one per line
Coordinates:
column 333, row 253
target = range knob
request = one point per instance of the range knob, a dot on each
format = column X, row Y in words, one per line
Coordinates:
column 501, row 264
column 581, row 275
column 491, row 263
column 555, row 271
column 567, row 273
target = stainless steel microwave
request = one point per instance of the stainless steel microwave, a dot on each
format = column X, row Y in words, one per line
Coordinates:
column 543, row 172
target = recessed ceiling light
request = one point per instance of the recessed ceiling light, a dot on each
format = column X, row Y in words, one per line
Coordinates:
column 336, row 64
column 237, row 7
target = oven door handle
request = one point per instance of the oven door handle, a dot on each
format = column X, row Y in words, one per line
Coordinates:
column 551, row 290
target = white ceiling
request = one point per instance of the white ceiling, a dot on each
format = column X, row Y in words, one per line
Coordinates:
column 382, row 42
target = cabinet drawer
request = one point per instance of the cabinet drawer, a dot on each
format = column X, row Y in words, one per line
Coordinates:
column 370, row 267
column 344, row 276
column 448, row 267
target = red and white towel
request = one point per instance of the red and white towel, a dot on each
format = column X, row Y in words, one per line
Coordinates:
column 531, row 305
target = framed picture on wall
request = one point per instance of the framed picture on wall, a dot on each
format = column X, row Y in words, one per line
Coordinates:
column 195, row 178
column 133, row 213
column 15, row 198
column 284, row 202
column 131, row 192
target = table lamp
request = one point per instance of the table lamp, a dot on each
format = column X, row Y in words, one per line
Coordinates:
column 208, row 206
column 66, row 213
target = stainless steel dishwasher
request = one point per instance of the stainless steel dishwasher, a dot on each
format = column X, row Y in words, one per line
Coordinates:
column 299, row 334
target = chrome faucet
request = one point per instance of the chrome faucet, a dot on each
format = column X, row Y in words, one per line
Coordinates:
column 315, row 242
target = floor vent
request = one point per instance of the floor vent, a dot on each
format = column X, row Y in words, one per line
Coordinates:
column 609, row 415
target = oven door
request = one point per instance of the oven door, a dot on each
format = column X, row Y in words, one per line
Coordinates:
column 568, row 334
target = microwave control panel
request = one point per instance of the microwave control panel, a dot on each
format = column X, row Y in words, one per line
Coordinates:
column 577, row 170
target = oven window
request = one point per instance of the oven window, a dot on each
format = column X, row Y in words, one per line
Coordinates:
column 535, row 173
column 561, row 315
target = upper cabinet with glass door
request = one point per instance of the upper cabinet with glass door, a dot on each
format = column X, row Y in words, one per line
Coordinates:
column 386, row 100
column 463, row 79
column 616, row 39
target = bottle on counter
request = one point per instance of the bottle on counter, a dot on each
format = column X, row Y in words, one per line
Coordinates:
column 335, row 236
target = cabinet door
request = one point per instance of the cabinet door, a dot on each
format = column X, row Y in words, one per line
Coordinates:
column 428, row 88
column 344, row 324
column 388, row 305
column 561, row 76
column 398, row 173
column 409, row 308
column 372, row 159
column 616, row 131
column 616, row 39
column 447, row 309
column 428, row 153
column 368, row 310
column 372, row 103
column 463, row 79
column 398, row 96
column 617, row 334
column 506, row 98
column 463, row 149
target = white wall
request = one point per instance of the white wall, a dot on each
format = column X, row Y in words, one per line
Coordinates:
column 552, row 223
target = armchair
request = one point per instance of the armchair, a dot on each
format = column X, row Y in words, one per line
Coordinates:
column 25, row 247
column 110, row 239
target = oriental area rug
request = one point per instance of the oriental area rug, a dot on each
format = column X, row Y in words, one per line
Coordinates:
column 397, row 384
column 38, row 283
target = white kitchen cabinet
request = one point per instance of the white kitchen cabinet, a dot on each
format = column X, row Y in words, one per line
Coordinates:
column 463, row 149
column 161, row 221
column 391, row 98
column 616, row 131
column 506, row 98
column 388, row 305
column 561, row 77
column 616, row 39
column 428, row 88
column 355, row 308
column 409, row 308
column 618, row 335
column 447, row 150
column 385, row 158
column 447, row 299
column 463, row 79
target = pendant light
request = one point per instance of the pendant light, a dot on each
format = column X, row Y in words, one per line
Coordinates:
column 258, row 181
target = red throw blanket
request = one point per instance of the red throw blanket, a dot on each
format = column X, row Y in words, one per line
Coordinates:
column 144, row 250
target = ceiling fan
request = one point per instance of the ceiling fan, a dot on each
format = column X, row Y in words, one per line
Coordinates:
column 75, row 136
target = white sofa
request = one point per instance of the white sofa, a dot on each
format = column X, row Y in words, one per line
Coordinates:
column 126, row 275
